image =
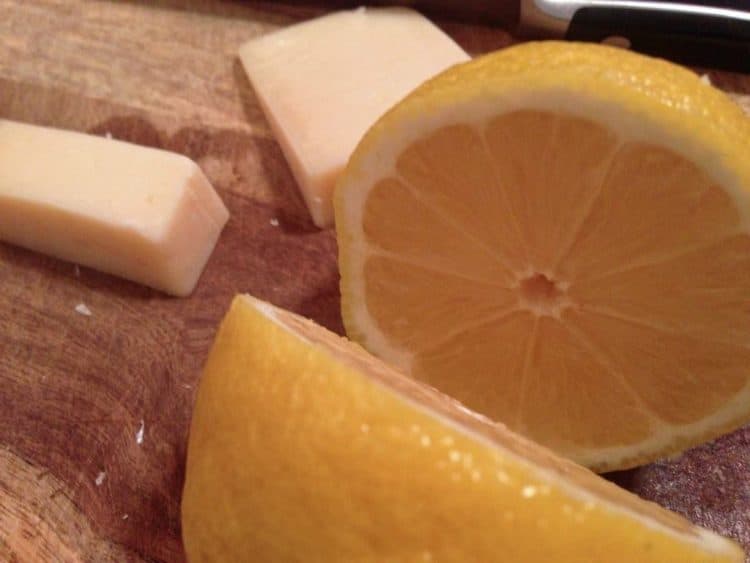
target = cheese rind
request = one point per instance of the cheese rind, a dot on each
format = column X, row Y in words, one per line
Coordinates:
column 144, row 214
column 324, row 82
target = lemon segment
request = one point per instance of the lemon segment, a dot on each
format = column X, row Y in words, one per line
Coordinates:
column 303, row 447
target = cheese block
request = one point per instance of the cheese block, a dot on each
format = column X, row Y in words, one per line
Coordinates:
column 144, row 214
column 322, row 83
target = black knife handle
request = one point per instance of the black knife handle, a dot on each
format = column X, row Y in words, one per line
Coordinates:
column 696, row 39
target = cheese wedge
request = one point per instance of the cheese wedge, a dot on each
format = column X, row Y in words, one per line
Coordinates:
column 144, row 214
column 322, row 83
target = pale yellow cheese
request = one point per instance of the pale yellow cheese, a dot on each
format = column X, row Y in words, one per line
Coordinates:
column 322, row 83
column 145, row 214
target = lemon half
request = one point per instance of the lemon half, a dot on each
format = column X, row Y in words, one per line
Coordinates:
column 557, row 235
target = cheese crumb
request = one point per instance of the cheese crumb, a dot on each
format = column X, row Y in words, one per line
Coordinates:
column 139, row 434
column 100, row 478
column 82, row 309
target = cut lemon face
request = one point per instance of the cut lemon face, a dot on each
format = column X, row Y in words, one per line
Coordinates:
column 305, row 448
column 557, row 235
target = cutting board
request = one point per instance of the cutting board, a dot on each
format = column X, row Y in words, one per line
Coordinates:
column 94, row 410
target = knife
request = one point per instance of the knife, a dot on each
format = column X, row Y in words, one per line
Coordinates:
column 703, row 35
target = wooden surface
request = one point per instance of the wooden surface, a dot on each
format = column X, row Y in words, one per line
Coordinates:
column 94, row 410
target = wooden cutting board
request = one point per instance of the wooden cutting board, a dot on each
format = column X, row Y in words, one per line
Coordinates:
column 94, row 410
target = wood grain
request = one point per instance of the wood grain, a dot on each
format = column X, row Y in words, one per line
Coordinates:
column 41, row 523
column 77, row 482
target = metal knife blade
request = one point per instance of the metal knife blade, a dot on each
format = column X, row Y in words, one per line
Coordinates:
column 703, row 35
